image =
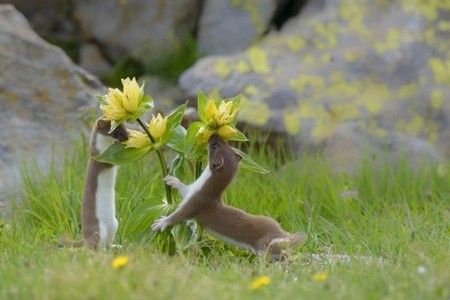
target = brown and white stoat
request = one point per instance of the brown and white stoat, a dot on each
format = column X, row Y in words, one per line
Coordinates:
column 203, row 200
column 98, row 211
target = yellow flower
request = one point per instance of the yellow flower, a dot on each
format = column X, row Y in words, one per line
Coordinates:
column 132, row 94
column 119, row 262
column 225, row 113
column 204, row 134
column 113, row 109
column 320, row 277
column 137, row 139
column 259, row 282
column 157, row 126
column 210, row 111
column 226, row 132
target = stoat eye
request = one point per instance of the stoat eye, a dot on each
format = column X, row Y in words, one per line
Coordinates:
column 213, row 146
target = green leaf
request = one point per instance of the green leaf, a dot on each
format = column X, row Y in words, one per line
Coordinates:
column 176, row 165
column 176, row 116
column 145, row 104
column 178, row 138
column 101, row 100
column 192, row 150
column 118, row 154
column 173, row 132
column 249, row 164
column 185, row 234
column 239, row 137
column 201, row 104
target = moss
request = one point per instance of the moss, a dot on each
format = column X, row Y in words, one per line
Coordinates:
column 254, row 112
column 258, row 60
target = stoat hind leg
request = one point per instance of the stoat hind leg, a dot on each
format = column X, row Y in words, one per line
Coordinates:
column 177, row 184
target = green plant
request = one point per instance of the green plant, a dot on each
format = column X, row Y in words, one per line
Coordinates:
column 216, row 117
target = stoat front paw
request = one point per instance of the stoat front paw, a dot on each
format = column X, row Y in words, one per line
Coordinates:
column 161, row 224
column 173, row 182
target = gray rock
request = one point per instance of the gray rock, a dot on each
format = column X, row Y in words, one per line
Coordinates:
column 140, row 28
column 383, row 65
column 42, row 93
column 92, row 60
column 228, row 26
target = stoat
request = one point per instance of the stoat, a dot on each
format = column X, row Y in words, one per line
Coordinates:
column 98, row 212
column 203, row 200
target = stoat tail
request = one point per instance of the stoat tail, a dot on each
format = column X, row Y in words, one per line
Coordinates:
column 280, row 247
column 66, row 242
column 297, row 238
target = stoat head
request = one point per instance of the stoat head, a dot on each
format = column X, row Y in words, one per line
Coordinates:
column 120, row 133
column 221, row 156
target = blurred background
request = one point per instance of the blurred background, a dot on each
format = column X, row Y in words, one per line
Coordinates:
column 347, row 78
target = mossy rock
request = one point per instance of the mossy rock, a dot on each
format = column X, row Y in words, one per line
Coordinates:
column 381, row 64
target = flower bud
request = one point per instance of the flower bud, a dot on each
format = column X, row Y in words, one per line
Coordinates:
column 137, row 139
column 132, row 94
column 157, row 126
column 210, row 111
column 204, row 134
column 226, row 132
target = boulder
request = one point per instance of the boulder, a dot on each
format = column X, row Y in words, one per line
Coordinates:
column 228, row 26
column 142, row 29
column 41, row 94
column 382, row 64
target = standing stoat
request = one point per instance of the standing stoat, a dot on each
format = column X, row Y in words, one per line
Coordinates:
column 203, row 200
column 98, row 212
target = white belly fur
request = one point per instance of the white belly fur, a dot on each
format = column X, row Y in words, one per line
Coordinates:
column 105, row 197
column 105, row 206
column 197, row 185
column 230, row 241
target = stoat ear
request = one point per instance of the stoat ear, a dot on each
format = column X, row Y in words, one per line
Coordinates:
column 239, row 158
column 217, row 163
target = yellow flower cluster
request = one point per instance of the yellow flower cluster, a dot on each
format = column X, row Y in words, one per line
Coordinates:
column 119, row 105
column 218, row 120
column 156, row 127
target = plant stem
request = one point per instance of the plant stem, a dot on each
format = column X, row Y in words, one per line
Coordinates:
column 161, row 159
column 198, row 169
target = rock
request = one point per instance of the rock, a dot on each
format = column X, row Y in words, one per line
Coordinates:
column 352, row 143
column 384, row 65
column 139, row 28
column 92, row 60
column 42, row 92
column 228, row 26
column 49, row 18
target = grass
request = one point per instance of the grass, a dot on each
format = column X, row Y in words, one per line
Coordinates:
column 399, row 214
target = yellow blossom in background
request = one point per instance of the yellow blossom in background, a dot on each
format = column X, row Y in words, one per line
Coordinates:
column 226, row 132
column 157, row 126
column 112, row 108
column 259, row 282
column 119, row 262
column 320, row 277
column 132, row 94
column 210, row 111
column 137, row 139
column 225, row 113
